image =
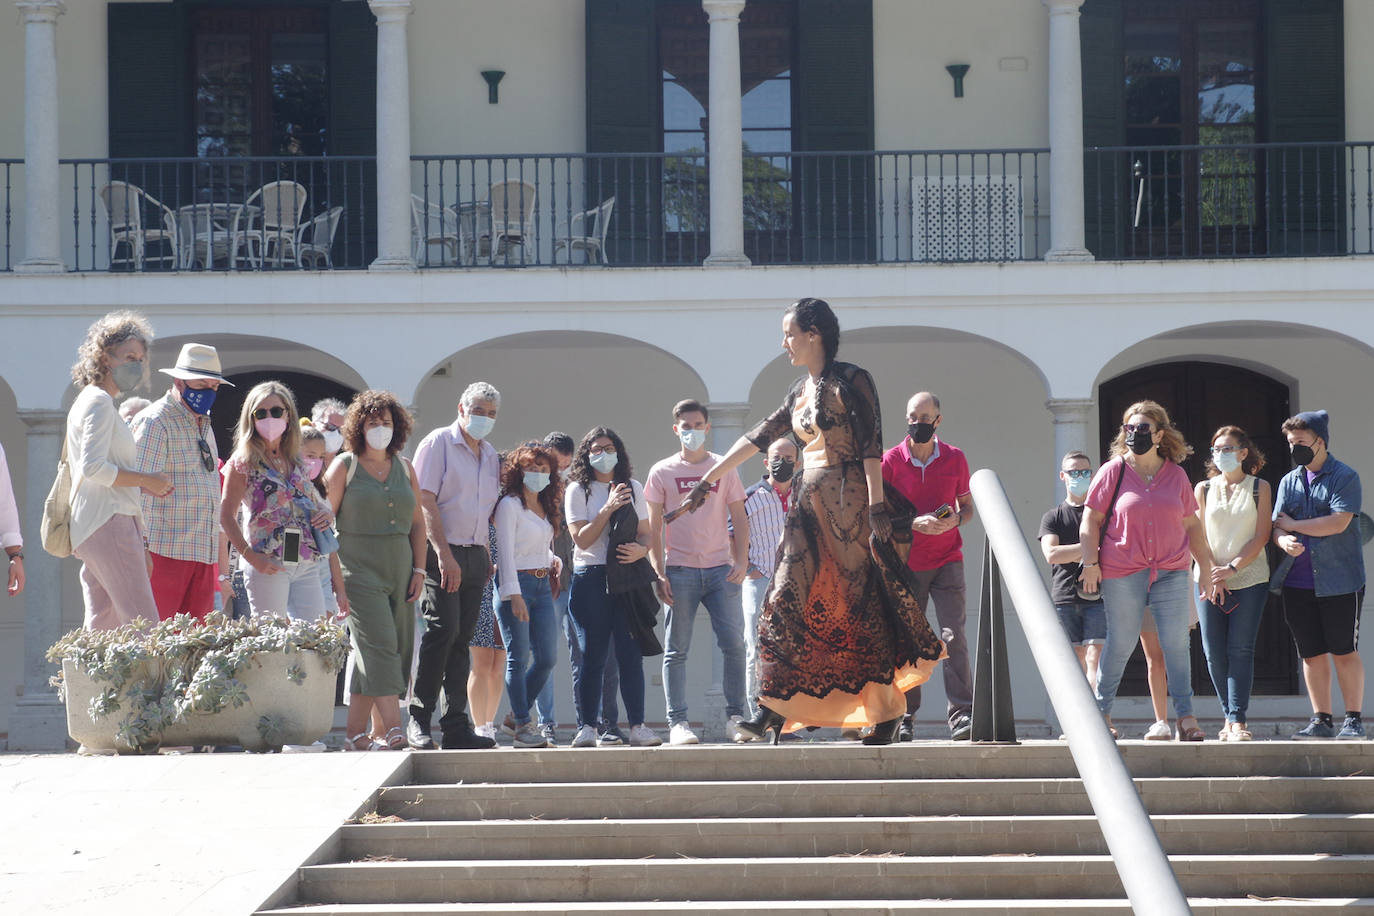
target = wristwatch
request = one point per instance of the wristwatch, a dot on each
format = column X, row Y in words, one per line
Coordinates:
column 226, row 578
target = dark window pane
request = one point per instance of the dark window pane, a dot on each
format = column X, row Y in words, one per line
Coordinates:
column 1152, row 47
column 299, row 95
column 1153, row 100
column 224, row 94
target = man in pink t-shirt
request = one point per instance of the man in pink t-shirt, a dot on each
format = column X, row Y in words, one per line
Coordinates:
column 698, row 562
column 934, row 476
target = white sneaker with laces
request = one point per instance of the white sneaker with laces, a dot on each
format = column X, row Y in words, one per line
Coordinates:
column 585, row 737
column 680, row 733
column 643, row 736
column 1160, row 731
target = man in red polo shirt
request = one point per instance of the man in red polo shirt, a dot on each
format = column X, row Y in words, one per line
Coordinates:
column 933, row 475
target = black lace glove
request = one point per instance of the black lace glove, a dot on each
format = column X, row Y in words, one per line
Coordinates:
column 696, row 497
column 879, row 521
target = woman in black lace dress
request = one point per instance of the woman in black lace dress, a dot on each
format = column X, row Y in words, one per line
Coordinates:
column 841, row 636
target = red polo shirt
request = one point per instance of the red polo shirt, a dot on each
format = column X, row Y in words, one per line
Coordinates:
column 942, row 481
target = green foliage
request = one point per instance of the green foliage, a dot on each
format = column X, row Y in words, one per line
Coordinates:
column 161, row 674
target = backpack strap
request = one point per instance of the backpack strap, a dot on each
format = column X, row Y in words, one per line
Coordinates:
column 1256, row 490
column 1111, row 506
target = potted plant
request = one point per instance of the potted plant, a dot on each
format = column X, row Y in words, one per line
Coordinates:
column 259, row 682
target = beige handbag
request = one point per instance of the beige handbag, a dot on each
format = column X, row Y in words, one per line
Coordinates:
column 56, row 527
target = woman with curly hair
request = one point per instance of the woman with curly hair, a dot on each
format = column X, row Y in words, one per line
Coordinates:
column 1235, row 507
column 106, row 514
column 267, row 488
column 526, row 516
column 1140, row 526
column 841, row 636
column 382, row 548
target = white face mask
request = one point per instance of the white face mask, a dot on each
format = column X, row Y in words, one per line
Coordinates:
column 692, row 439
column 333, row 440
column 479, row 427
column 537, row 481
column 379, row 437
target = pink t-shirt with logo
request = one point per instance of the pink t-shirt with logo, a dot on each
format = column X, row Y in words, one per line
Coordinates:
column 699, row 539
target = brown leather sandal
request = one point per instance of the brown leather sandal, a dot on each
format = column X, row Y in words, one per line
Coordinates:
column 1189, row 732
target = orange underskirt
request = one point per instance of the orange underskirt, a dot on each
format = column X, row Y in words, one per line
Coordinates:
column 874, row 703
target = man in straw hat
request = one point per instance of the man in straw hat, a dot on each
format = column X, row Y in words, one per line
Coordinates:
column 174, row 438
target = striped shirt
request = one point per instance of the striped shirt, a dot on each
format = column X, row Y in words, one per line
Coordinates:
column 767, row 512
column 184, row 524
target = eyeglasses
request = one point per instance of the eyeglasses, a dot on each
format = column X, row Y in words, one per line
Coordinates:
column 598, row 450
column 1224, row 449
column 262, row 413
column 1082, row 474
column 329, row 427
column 1129, row 428
column 207, row 457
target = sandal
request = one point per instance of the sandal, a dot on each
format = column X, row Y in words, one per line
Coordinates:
column 1240, row 733
column 396, row 739
column 1111, row 728
column 1189, row 732
column 362, row 742
column 1225, row 733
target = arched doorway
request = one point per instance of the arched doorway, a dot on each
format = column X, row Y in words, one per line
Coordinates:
column 306, row 387
column 1201, row 397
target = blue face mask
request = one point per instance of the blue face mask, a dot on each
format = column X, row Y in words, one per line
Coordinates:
column 604, row 462
column 1226, row 462
column 1078, row 486
column 692, row 439
column 200, row 400
column 537, row 480
column 479, row 427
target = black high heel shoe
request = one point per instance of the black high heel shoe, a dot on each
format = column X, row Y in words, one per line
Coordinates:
column 762, row 724
column 884, row 732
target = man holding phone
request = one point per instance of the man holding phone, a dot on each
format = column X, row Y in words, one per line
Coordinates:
column 934, row 476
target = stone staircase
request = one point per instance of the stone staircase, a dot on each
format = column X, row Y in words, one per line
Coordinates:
column 842, row 828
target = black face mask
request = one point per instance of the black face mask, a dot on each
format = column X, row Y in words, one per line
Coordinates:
column 920, row 432
column 1302, row 454
column 780, row 470
column 1140, row 441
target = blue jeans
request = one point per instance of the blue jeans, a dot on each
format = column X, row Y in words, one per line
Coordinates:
column 1229, row 641
column 535, row 639
column 544, row 702
column 692, row 587
column 601, row 620
column 1125, row 599
column 754, row 591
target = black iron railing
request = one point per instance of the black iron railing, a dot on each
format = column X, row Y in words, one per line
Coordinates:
column 1230, row 200
column 220, row 214
column 11, row 171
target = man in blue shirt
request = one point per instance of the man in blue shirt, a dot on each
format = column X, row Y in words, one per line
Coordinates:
column 1315, row 524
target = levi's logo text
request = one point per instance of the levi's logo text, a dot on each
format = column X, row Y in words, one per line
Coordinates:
column 685, row 484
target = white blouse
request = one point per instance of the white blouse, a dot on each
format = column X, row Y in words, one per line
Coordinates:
column 99, row 446
column 523, row 541
column 10, row 535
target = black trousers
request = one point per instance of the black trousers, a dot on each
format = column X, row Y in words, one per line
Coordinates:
column 450, row 618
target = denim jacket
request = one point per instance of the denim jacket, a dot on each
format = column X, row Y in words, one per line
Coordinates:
column 1338, row 559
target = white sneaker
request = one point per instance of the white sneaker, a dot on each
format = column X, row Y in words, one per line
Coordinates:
column 682, row 734
column 315, row 748
column 1160, row 731
column 733, row 732
column 585, row 737
column 528, row 735
column 486, row 731
column 643, row 736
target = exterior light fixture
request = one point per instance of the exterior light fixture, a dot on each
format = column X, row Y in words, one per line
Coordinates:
column 957, row 71
column 493, row 78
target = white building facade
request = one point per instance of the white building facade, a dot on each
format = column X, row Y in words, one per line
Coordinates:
column 1118, row 198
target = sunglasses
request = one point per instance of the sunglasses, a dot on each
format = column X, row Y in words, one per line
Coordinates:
column 207, row 457
column 1136, row 427
column 1083, row 473
column 262, row 413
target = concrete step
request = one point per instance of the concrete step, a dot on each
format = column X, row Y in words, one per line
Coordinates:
column 843, row 760
column 839, row 878
column 1201, row 906
column 866, row 798
column 1334, row 834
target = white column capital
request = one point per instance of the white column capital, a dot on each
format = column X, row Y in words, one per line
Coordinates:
column 42, row 421
column 40, row 10
column 729, row 413
column 1070, row 410
column 726, row 10
column 391, row 10
column 1063, row 7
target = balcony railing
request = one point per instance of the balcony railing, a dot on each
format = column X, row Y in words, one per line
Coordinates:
column 1230, row 200
column 11, row 172
column 653, row 209
column 246, row 213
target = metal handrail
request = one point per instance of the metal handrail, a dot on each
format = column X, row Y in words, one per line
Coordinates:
column 1149, row 880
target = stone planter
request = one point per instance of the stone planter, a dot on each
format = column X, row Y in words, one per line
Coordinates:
column 278, row 710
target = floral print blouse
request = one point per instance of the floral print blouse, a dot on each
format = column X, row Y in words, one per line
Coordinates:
column 275, row 504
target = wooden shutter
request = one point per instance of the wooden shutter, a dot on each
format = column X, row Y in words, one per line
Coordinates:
column 150, row 100
column 1106, row 178
column 353, row 130
column 624, row 101
column 1305, row 102
column 833, row 100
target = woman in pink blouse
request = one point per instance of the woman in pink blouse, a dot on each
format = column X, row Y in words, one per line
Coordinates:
column 1139, row 533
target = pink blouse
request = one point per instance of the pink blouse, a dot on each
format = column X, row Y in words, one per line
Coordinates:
column 1145, row 530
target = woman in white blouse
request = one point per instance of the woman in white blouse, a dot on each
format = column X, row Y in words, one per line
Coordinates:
column 526, row 517
column 107, row 518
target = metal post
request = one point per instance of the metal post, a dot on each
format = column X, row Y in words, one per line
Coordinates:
column 993, row 717
column 1144, row 869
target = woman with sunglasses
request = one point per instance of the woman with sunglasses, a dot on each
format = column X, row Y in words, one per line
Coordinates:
column 1235, row 507
column 1139, row 530
column 267, row 488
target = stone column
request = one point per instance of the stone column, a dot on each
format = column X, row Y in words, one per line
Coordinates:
column 1066, row 134
column 393, row 136
column 39, row 720
column 727, row 425
column 725, row 144
column 42, row 199
column 1071, row 417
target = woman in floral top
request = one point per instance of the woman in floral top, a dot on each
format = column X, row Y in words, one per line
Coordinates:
column 266, row 488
